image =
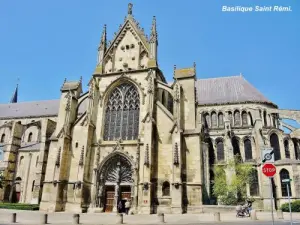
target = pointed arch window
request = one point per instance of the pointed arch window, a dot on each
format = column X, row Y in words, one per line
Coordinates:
column 237, row 118
column 251, row 119
column 254, row 185
column 29, row 137
column 214, row 120
column 297, row 148
column 284, row 174
column 248, row 149
column 2, row 138
column 206, row 120
column 275, row 145
column 286, row 149
column 265, row 119
column 122, row 113
column 244, row 119
column 220, row 150
column 221, row 119
column 230, row 118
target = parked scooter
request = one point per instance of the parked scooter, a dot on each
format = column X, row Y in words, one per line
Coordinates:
column 244, row 210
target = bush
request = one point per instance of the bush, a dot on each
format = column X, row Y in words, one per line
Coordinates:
column 19, row 206
column 295, row 206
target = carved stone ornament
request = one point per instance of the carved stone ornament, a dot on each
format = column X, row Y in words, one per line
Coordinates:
column 176, row 154
column 176, row 93
column 150, row 85
column 81, row 156
column 57, row 162
column 146, row 160
column 118, row 146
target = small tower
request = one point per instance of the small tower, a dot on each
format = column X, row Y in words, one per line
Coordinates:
column 153, row 44
column 102, row 47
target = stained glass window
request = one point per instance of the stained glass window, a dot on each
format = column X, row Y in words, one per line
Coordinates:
column 221, row 120
column 248, row 149
column 237, row 118
column 122, row 113
column 284, row 174
column 244, row 119
column 254, row 185
column 220, row 150
column 286, row 149
column 214, row 121
column 275, row 145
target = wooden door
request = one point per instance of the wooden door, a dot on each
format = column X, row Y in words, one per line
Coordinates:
column 110, row 196
column 125, row 192
column 126, row 195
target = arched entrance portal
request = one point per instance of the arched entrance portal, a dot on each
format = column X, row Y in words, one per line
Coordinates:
column 115, row 183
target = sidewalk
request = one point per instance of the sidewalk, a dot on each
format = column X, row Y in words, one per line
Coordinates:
column 33, row 217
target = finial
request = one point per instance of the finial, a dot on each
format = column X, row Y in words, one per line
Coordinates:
column 194, row 66
column 174, row 69
column 130, row 8
column 65, row 80
column 80, row 80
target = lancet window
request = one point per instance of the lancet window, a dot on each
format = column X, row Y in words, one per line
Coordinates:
column 122, row 113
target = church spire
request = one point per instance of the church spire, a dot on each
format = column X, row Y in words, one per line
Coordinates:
column 14, row 98
column 102, row 46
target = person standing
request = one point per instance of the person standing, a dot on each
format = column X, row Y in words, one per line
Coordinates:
column 120, row 207
column 127, row 206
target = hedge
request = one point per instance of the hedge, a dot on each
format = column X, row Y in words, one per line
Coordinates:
column 19, row 206
column 295, row 206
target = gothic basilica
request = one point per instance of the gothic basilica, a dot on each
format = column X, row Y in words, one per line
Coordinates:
column 135, row 136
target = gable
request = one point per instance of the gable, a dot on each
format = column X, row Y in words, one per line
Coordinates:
column 128, row 51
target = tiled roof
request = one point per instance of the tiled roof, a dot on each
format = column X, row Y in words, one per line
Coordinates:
column 226, row 90
column 29, row 109
column 223, row 90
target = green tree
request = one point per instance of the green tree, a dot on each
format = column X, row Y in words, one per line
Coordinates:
column 235, row 191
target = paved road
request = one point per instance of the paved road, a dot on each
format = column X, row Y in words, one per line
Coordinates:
column 62, row 218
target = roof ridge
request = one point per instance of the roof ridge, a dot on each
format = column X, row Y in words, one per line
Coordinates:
column 211, row 78
column 37, row 101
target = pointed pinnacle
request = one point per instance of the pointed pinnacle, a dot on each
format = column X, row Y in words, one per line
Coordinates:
column 153, row 35
column 130, row 9
column 103, row 38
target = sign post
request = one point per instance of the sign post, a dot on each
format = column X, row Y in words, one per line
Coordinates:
column 269, row 170
column 287, row 181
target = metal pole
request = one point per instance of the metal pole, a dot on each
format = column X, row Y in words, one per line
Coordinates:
column 271, row 198
column 290, row 208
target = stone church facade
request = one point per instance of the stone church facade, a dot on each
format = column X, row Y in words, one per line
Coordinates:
column 135, row 136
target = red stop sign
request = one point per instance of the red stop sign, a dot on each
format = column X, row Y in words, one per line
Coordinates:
column 269, row 170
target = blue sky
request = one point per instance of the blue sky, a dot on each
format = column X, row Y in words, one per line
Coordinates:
column 42, row 42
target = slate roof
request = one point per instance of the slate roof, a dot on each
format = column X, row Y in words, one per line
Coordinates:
column 212, row 91
column 228, row 90
column 29, row 109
